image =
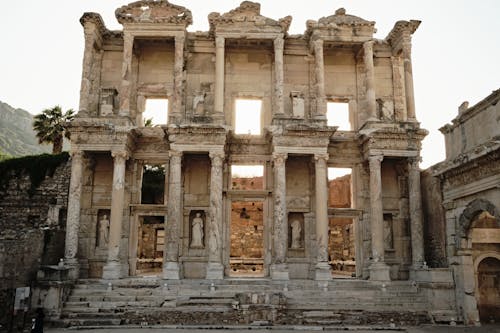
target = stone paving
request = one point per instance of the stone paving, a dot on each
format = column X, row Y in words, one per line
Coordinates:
column 365, row 329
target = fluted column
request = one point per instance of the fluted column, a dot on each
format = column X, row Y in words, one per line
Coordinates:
column 370, row 80
column 219, row 78
column 378, row 270
column 73, row 215
column 321, row 177
column 215, row 269
column 279, row 269
column 113, row 267
column 319, row 70
column 88, row 55
column 278, row 76
column 409, row 92
column 126, row 83
column 178, row 75
column 174, row 218
column 415, row 198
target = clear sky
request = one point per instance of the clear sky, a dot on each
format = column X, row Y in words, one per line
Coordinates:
column 456, row 50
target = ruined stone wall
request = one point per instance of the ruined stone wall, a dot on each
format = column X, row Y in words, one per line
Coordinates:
column 32, row 231
column 434, row 222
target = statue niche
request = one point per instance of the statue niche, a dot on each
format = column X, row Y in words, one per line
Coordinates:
column 197, row 225
column 296, row 231
column 102, row 228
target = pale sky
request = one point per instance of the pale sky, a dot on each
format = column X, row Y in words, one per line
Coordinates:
column 456, row 49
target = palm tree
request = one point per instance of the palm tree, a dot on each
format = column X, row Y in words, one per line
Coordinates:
column 50, row 127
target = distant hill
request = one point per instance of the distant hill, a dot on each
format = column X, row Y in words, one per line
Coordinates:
column 17, row 137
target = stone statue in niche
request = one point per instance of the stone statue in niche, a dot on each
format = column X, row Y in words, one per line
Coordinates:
column 296, row 234
column 388, row 240
column 199, row 104
column 197, row 231
column 103, row 231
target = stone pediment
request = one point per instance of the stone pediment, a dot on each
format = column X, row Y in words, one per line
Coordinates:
column 150, row 11
column 247, row 15
column 341, row 24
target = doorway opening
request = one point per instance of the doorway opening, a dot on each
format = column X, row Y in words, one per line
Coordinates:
column 150, row 245
column 342, row 236
column 247, row 239
column 488, row 285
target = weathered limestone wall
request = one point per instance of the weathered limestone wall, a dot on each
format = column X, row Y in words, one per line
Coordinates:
column 434, row 223
column 32, row 230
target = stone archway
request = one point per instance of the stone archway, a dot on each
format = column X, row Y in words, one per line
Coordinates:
column 474, row 208
column 487, row 268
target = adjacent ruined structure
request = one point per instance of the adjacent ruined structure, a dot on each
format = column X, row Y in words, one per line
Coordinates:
column 466, row 207
column 169, row 218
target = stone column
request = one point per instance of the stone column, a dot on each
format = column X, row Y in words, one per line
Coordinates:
column 410, row 97
column 88, row 55
column 379, row 271
column 178, row 79
column 319, row 70
column 126, row 83
column 215, row 269
column 219, row 79
column 417, row 228
column 322, row 224
column 174, row 218
column 279, row 269
column 370, row 81
column 278, row 76
column 73, row 215
column 113, row 267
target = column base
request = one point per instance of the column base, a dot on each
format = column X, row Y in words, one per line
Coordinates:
column 215, row 271
column 418, row 271
column 279, row 272
column 112, row 270
column 379, row 271
column 322, row 272
column 73, row 268
column 171, row 270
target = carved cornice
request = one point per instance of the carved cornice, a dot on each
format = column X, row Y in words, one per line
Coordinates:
column 248, row 12
column 151, row 11
column 96, row 19
column 340, row 21
column 401, row 32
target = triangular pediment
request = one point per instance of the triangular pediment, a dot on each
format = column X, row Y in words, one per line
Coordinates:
column 341, row 25
column 247, row 15
column 150, row 11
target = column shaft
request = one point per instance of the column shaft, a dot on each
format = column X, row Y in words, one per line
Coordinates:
column 174, row 218
column 215, row 269
column 279, row 269
column 112, row 269
column 219, row 77
column 278, row 76
column 322, row 224
column 319, row 71
column 88, row 55
column 73, row 216
column 370, row 81
column 178, row 74
column 409, row 92
column 125, row 88
column 417, row 229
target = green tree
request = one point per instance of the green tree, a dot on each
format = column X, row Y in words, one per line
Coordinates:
column 4, row 156
column 50, row 127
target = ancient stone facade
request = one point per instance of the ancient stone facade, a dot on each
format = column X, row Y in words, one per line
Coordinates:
column 245, row 56
column 468, row 222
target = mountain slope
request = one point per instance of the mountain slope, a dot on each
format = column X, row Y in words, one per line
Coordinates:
column 17, row 137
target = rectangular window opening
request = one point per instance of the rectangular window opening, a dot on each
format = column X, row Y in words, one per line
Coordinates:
column 153, row 184
column 337, row 114
column 248, row 116
column 155, row 112
column 339, row 187
column 247, row 177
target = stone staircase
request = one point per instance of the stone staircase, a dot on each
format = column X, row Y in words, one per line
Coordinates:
column 151, row 301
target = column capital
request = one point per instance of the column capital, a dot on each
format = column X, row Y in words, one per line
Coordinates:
column 279, row 158
column 414, row 162
column 279, row 43
column 120, row 154
column 216, row 157
column 76, row 154
column 219, row 41
column 375, row 158
column 172, row 154
column 321, row 157
column 180, row 39
column 368, row 46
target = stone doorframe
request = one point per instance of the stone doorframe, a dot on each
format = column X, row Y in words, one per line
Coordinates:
column 465, row 269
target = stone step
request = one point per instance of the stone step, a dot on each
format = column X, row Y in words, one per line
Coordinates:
column 88, row 322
